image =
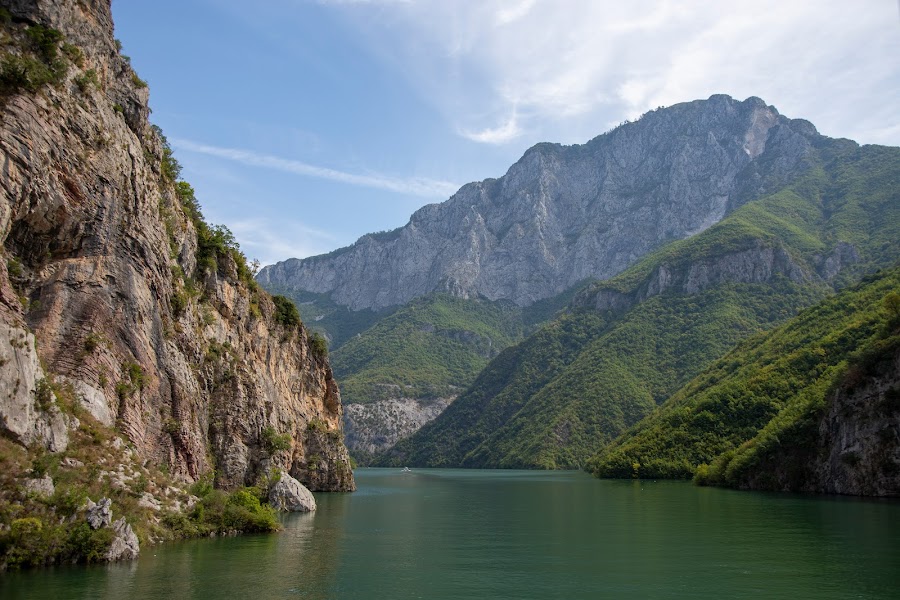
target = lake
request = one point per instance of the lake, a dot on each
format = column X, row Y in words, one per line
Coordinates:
column 521, row 534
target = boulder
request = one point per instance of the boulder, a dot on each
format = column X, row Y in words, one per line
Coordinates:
column 291, row 495
column 99, row 514
column 125, row 546
column 41, row 487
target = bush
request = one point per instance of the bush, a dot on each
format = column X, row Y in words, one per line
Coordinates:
column 286, row 313
column 45, row 41
column 44, row 394
column 87, row 79
column 318, row 345
column 27, row 73
column 89, row 545
column 31, row 542
column 274, row 442
column 221, row 512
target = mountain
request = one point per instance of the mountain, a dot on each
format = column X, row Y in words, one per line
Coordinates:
column 139, row 361
column 564, row 214
column 629, row 343
column 403, row 371
column 561, row 216
column 811, row 406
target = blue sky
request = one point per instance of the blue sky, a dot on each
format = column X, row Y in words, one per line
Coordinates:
column 304, row 124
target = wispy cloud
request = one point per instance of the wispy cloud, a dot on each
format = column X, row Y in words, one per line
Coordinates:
column 509, row 130
column 509, row 14
column 266, row 241
column 569, row 66
column 413, row 186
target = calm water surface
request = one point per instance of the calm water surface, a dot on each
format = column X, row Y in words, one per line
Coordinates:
column 521, row 534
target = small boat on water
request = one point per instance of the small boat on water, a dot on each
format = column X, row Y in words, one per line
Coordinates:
column 406, row 470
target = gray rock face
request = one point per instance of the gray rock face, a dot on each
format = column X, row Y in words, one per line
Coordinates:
column 860, row 435
column 23, row 415
column 42, row 487
column 95, row 240
column 374, row 427
column 562, row 214
column 757, row 264
column 99, row 514
column 125, row 546
column 290, row 495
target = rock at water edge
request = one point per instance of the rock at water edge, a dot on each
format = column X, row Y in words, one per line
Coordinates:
column 125, row 546
column 291, row 495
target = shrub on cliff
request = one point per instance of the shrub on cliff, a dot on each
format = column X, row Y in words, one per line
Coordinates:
column 285, row 312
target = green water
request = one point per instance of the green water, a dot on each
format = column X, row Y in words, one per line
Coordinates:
column 521, row 534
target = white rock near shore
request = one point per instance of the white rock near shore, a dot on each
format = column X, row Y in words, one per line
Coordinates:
column 291, row 495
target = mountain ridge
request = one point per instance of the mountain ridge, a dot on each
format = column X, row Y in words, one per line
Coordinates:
column 634, row 338
column 562, row 214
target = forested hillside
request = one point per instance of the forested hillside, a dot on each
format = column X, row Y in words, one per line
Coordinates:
column 629, row 343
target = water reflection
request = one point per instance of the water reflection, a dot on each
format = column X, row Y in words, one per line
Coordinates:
column 513, row 534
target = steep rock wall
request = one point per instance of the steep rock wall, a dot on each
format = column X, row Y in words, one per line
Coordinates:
column 563, row 214
column 101, row 265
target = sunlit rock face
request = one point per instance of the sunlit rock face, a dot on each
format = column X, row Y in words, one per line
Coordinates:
column 563, row 214
column 100, row 292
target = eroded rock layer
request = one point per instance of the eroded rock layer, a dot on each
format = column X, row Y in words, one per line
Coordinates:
column 105, row 291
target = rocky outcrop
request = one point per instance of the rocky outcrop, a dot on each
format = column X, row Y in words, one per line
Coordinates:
column 563, row 214
column 41, row 486
column 852, row 448
column 99, row 514
column 860, row 435
column 28, row 412
column 125, row 544
column 290, row 495
column 171, row 342
column 760, row 263
column 373, row 427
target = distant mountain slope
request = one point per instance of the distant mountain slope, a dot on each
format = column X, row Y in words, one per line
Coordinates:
column 810, row 406
column 403, row 371
column 630, row 342
column 563, row 214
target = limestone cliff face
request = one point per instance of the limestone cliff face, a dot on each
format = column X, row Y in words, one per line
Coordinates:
column 860, row 437
column 100, row 288
column 376, row 426
column 563, row 214
column 759, row 263
column 854, row 446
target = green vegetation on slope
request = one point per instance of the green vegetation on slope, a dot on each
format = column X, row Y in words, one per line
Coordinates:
column 430, row 348
column 562, row 394
column 324, row 316
column 776, row 381
column 629, row 368
column 37, row 529
column 497, row 394
column 586, row 377
column 781, row 454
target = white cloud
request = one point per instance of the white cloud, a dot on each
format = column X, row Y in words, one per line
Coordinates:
column 508, row 14
column 413, row 186
column 567, row 66
column 265, row 241
column 501, row 134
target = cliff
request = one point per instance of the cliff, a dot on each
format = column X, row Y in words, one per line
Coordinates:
column 843, row 440
column 563, row 214
column 116, row 296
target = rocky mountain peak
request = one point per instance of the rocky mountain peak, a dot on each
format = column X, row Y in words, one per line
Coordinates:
column 562, row 214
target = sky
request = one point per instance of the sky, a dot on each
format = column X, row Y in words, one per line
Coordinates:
column 304, row 124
